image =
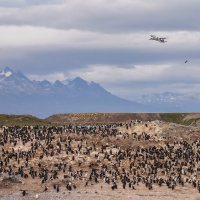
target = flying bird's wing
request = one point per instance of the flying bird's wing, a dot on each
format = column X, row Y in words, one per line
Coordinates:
column 162, row 40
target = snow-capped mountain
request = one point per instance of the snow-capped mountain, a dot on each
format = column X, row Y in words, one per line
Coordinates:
column 12, row 82
column 20, row 95
column 160, row 98
column 171, row 102
column 17, row 83
column 5, row 73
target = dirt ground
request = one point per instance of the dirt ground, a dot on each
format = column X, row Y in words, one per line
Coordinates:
column 101, row 191
column 104, row 193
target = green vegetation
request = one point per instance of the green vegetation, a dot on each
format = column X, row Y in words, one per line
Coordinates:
column 173, row 117
column 81, row 118
column 180, row 118
column 21, row 120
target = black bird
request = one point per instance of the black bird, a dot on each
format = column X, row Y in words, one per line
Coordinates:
column 57, row 189
column 45, row 189
column 23, row 192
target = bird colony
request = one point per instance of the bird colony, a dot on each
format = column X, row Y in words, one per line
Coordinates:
column 118, row 156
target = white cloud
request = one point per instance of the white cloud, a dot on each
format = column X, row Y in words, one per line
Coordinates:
column 106, row 15
column 110, row 74
column 20, row 3
column 50, row 77
column 179, row 73
column 39, row 36
column 140, row 73
column 16, row 36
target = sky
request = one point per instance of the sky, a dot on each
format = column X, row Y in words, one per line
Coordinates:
column 106, row 41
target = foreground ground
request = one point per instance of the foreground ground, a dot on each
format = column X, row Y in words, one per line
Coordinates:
column 96, row 192
column 92, row 159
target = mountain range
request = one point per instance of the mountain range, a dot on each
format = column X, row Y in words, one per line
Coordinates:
column 20, row 95
column 171, row 101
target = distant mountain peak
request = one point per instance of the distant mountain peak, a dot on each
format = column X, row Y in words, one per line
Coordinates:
column 75, row 81
column 45, row 82
column 6, row 72
column 78, row 83
column 7, row 69
column 58, row 83
column 79, row 80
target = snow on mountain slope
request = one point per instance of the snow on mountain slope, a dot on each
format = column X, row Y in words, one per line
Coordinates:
column 19, row 95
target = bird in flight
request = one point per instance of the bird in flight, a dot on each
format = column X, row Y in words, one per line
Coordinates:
column 159, row 39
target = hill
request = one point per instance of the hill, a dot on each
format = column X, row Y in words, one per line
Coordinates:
column 102, row 118
column 21, row 120
column 87, row 118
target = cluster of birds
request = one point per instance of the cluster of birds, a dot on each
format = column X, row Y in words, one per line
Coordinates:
column 80, row 155
column 160, row 39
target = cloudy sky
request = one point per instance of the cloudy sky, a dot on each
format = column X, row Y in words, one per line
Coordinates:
column 106, row 41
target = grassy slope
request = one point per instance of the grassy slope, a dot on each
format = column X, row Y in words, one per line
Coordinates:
column 180, row 118
column 21, row 120
column 100, row 117
column 173, row 117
